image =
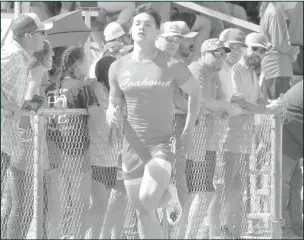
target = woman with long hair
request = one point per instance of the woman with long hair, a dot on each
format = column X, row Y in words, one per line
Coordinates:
column 70, row 133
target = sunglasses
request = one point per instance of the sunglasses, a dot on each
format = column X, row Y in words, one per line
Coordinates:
column 172, row 39
column 258, row 49
column 236, row 48
column 218, row 54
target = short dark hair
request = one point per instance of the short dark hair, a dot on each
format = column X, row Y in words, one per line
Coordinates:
column 102, row 69
column 148, row 9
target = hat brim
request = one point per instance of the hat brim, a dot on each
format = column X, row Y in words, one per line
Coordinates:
column 238, row 42
column 170, row 35
column 44, row 27
column 190, row 35
column 258, row 45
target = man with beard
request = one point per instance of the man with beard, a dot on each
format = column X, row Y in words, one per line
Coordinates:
column 201, row 165
column 237, row 147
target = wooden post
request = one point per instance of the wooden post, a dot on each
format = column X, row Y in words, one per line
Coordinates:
column 276, row 173
column 38, row 175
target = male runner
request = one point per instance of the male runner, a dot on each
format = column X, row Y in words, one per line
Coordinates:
column 144, row 80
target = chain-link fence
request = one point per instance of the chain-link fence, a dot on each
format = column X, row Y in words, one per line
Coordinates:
column 59, row 179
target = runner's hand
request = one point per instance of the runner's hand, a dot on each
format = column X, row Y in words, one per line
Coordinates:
column 186, row 142
column 114, row 116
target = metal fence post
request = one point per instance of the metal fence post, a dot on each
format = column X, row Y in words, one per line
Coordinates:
column 38, row 175
column 276, row 172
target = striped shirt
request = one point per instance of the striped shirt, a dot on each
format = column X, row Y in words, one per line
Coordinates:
column 15, row 66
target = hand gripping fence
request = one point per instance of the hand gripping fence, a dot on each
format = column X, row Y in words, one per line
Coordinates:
column 61, row 181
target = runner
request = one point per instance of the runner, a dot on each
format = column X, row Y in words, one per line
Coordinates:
column 144, row 79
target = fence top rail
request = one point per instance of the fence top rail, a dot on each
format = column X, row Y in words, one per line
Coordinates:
column 219, row 15
column 49, row 112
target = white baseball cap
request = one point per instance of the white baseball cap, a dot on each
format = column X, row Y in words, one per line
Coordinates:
column 176, row 28
column 113, row 31
column 28, row 23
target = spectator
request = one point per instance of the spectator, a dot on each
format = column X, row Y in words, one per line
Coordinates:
column 235, row 40
column 73, row 141
column 195, row 23
column 294, row 11
column 179, row 44
column 104, row 151
column 201, row 165
column 247, row 94
column 292, row 173
column 118, row 43
column 277, row 63
column 16, row 61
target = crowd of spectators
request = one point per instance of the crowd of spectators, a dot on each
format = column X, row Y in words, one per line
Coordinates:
column 225, row 61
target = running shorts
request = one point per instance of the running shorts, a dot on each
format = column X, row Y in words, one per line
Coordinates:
column 136, row 155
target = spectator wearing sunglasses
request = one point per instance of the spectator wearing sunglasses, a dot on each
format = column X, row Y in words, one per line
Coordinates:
column 17, row 61
column 200, row 166
column 238, row 145
column 177, row 40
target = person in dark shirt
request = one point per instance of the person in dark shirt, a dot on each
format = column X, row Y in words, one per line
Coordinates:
column 71, row 137
column 291, row 171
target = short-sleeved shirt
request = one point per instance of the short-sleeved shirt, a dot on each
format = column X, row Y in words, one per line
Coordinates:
column 241, row 128
column 210, row 85
column 148, row 91
column 15, row 67
column 225, row 78
column 70, row 132
column 278, row 61
column 293, row 124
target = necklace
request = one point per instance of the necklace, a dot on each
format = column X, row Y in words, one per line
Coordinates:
column 140, row 59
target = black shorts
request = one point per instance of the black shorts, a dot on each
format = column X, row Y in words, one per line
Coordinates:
column 106, row 175
column 200, row 174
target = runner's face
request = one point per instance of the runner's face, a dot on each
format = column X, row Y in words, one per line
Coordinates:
column 144, row 28
column 186, row 47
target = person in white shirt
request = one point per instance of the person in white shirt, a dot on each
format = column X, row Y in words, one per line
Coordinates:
column 238, row 144
column 235, row 40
